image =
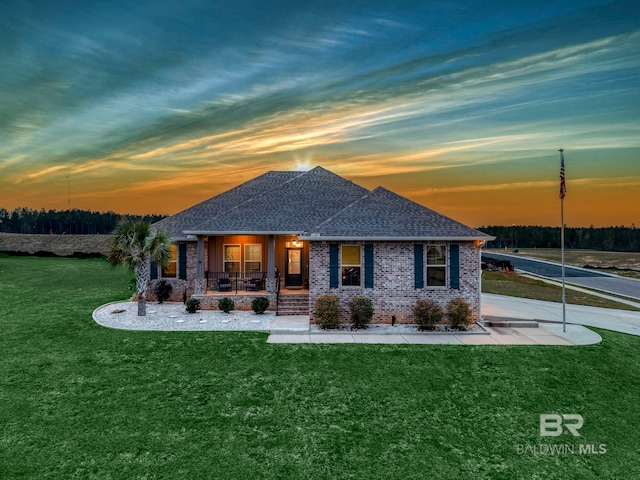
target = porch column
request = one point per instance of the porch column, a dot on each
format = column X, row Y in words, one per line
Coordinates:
column 271, row 266
column 199, row 287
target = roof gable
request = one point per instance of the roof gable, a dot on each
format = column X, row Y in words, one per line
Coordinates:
column 293, row 206
column 187, row 219
column 382, row 214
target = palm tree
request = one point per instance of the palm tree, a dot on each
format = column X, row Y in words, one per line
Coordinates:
column 136, row 245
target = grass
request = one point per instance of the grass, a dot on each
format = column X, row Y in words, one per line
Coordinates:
column 81, row 401
column 515, row 285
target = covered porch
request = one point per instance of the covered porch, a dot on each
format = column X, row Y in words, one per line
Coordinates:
column 238, row 264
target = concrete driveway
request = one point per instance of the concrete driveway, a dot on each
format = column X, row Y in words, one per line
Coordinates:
column 623, row 321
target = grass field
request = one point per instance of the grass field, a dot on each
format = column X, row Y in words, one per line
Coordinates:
column 515, row 285
column 81, row 401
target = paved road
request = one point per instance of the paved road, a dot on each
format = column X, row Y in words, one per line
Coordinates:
column 587, row 278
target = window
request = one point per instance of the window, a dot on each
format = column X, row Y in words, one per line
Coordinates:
column 436, row 266
column 252, row 258
column 170, row 270
column 351, row 265
column 232, row 258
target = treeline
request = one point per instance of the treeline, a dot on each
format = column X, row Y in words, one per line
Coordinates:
column 621, row 239
column 70, row 222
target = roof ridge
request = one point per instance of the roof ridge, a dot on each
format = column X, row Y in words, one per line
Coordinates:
column 251, row 199
column 369, row 192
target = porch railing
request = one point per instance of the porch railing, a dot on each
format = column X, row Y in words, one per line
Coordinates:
column 236, row 281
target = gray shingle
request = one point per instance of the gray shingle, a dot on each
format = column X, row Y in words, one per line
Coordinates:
column 384, row 214
column 318, row 204
column 294, row 206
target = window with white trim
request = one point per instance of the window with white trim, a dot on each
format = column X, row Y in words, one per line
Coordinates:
column 351, row 262
column 252, row 257
column 232, row 258
column 436, row 266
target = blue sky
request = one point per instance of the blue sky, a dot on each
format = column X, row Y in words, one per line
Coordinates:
column 461, row 106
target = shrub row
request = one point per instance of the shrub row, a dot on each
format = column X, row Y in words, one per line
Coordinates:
column 427, row 313
column 259, row 305
column 328, row 313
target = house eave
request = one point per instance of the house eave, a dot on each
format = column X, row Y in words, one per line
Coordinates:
column 335, row 238
column 239, row 232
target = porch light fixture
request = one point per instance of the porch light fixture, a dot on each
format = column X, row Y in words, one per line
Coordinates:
column 297, row 243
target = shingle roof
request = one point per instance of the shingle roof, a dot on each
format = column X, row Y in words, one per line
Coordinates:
column 382, row 214
column 187, row 219
column 317, row 204
column 293, row 206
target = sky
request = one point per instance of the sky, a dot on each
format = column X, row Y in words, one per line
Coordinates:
column 154, row 106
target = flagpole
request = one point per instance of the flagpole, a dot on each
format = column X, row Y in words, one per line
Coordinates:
column 562, row 193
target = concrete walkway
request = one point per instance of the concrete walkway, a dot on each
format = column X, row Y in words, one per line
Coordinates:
column 548, row 315
column 623, row 321
column 295, row 329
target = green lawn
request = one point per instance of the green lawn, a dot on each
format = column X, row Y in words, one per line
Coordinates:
column 516, row 285
column 81, row 401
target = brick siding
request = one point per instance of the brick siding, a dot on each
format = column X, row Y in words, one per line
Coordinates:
column 394, row 291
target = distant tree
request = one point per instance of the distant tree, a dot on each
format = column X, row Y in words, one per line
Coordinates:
column 136, row 244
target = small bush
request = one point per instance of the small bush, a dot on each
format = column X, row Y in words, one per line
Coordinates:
column 193, row 305
column 361, row 312
column 427, row 314
column 259, row 304
column 162, row 291
column 226, row 304
column 327, row 312
column 458, row 313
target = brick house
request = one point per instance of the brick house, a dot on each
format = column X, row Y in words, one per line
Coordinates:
column 294, row 236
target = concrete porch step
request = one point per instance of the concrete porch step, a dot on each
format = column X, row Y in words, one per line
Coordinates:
column 508, row 322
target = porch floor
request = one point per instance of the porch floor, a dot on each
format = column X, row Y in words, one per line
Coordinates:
column 283, row 291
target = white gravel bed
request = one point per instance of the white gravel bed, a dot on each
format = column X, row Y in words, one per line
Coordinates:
column 173, row 316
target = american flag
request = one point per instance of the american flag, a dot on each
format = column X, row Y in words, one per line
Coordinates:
column 563, row 185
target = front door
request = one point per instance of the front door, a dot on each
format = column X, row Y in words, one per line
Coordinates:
column 293, row 274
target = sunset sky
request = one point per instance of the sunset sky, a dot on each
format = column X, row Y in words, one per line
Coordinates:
column 153, row 106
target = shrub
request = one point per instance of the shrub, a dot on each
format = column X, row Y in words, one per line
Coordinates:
column 259, row 304
column 458, row 313
column 193, row 305
column 226, row 304
column 427, row 314
column 327, row 311
column 361, row 311
column 162, row 291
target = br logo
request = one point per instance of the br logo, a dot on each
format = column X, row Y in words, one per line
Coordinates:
column 551, row 424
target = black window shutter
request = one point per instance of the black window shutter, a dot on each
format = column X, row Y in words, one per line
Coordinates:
column 368, row 265
column 154, row 270
column 182, row 261
column 454, row 265
column 334, row 265
column 418, row 264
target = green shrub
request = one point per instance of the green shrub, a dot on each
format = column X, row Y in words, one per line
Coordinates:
column 427, row 314
column 327, row 312
column 259, row 304
column 193, row 305
column 458, row 313
column 162, row 291
column 226, row 304
column 361, row 311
